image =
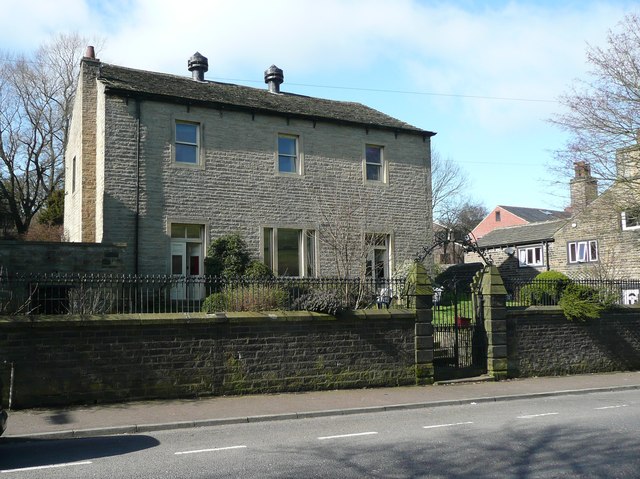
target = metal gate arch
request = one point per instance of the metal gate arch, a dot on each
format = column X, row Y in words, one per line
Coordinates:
column 459, row 335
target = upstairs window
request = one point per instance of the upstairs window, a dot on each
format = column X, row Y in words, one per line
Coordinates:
column 582, row 251
column 375, row 169
column 497, row 216
column 288, row 154
column 631, row 219
column 187, row 143
column 531, row 256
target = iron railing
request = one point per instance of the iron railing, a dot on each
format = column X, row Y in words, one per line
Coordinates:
column 549, row 292
column 85, row 294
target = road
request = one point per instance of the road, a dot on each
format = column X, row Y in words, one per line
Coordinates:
column 592, row 435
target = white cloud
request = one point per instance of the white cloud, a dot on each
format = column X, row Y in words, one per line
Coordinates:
column 28, row 23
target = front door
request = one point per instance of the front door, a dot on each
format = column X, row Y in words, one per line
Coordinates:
column 187, row 261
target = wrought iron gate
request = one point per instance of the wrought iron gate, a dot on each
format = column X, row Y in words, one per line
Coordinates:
column 459, row 335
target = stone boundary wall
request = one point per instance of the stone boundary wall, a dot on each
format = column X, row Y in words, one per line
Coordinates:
column 542, row 342
column 71, row 360
column 45, row 257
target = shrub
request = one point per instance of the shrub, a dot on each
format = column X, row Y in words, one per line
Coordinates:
column 228, row 257
column 545, row 289
column 258, row 270
column 246, row 298
column 581, row 302
column 320, row 301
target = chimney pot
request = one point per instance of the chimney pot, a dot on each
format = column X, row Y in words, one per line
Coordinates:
column 198, row 65
column 90, row 52
column 274, row 77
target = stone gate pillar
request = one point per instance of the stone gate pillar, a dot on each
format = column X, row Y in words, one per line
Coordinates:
column 495, row 319
column 420, row 298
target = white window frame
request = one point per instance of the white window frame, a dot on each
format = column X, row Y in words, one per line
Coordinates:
column 197, row 144
column 307, row 250
column 527, row 256
column 630, row 219
column 373, row 246
column 298, row 158
column 383, row 176
column 582, row 251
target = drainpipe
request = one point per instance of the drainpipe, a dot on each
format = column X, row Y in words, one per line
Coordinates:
column 136, row 241
column 546, row 250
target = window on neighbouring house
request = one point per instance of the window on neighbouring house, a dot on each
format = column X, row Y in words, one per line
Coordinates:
column 374, row 163
column 288, row 154
column 497, row 216
column 582, row 251
column 631, row 219
column 290, row 252
column 377, row 248
column 187, row 143
column 530, row 256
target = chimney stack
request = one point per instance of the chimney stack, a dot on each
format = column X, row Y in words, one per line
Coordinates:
column 583, row 187
column 198, row 65
column 274, row 77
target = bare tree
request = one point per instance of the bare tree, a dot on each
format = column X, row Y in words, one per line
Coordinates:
column 36, row 95
column 448, row 184
column 456, row 223
column 602, row 112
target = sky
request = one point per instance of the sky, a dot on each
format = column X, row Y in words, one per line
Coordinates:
column 484, row 75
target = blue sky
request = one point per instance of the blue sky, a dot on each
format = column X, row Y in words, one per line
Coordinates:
column 484, row 75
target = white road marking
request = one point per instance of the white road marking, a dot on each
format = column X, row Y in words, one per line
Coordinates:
column 538, row 415
column 49, row 466
column 610, row 407
column 347, row 435
column 209, row 450
column 447, row 425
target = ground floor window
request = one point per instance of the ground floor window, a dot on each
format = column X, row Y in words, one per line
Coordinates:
column 290, row 251
column 582, row 251
column 377, row 249
column 530, row 256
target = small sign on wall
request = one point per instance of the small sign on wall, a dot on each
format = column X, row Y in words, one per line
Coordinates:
column 630, row 296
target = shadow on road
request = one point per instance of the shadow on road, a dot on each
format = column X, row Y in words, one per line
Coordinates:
column 21, row 453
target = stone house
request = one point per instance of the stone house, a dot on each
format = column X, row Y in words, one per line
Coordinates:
column 165, row 164
column 598, row 241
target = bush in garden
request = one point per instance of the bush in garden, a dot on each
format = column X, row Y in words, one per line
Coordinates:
column 228, row 257
column 581, row 302
column 545, row 289
column 246, row 298
column 319, row 301
column 258, row 270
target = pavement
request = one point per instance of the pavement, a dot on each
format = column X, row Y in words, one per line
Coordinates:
column 147, row 416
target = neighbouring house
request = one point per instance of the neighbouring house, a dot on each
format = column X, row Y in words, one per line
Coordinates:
column 505, row 216
column 165, row 164
column 599, row 240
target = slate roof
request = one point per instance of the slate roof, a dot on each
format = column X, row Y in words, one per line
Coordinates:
column 522, row 234
column 535, row 215
column 176, row 88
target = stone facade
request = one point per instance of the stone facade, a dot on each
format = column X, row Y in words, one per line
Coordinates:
column 618, row 253
column 35, row 257
column 64, row 361
column 542, row 342
column 139, row 190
